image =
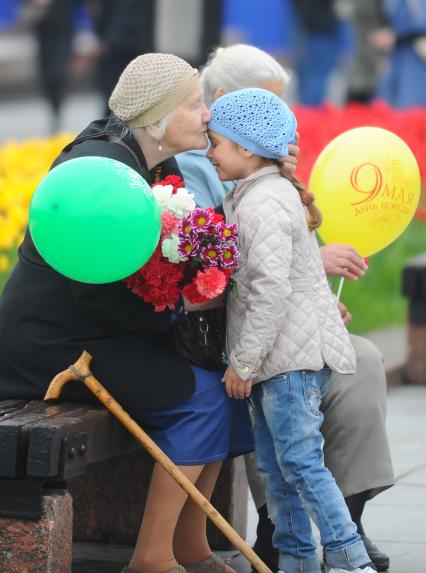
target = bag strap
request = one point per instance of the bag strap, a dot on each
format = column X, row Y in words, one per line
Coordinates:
column 106, row 136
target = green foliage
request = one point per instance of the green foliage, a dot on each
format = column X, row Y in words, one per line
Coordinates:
column 375, row 300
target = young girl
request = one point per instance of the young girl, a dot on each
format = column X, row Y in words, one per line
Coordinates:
column 285, row 333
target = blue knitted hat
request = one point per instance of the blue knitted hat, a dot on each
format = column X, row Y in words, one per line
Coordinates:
column 256, row 119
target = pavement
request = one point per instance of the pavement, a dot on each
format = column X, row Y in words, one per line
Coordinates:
column 396, row 519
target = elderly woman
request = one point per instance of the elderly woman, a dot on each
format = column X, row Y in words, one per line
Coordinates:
column 46, row 320
column 356, row 446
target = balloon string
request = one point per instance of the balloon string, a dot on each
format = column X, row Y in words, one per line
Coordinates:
column 339, row 290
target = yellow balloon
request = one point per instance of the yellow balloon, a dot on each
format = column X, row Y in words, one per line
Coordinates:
column 367, row 184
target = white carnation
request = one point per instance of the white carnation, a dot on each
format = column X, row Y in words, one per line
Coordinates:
column 169, row 248
column 181, row 203
column 162, row 194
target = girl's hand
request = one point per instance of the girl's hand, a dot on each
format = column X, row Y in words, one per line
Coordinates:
column 235, row 386
column 344, row 312
column 217, row 302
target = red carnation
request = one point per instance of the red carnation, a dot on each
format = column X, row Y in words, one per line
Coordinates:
column 190, row 292
column 174, row 180
column 217, row 219
column 158, row 281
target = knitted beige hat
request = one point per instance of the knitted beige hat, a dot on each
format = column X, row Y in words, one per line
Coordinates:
column 150, row 87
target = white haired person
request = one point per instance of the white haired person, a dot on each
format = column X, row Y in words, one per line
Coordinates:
column 46, row 320
column 356, row 445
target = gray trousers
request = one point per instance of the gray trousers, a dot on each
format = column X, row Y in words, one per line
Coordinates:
column 356, row 448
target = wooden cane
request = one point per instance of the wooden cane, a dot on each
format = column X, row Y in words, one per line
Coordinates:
column 80, row 371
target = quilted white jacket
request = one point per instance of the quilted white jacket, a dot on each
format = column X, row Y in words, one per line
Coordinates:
column 284, row 316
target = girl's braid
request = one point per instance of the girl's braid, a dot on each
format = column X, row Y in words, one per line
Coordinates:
column 314, row 214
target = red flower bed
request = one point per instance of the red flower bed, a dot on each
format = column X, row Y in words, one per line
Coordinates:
column 318, row 126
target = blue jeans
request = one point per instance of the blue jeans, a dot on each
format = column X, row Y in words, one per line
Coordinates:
column 286, row 423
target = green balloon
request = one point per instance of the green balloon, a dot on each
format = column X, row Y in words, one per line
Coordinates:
column 94, row 220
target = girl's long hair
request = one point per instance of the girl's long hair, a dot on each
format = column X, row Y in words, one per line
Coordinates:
column 314, row 217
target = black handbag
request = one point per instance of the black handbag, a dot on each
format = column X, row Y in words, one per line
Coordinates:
column 200, row 335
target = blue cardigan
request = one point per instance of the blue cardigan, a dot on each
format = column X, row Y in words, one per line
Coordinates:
column 201, row 178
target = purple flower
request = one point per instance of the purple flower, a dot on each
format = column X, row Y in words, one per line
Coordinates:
column 230, row 257
column 200, row 219
column 188, row 247
column 211, row 254
column 186, row 229
column 227, row 232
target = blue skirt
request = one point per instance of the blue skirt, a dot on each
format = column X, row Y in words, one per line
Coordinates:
column 206, row 427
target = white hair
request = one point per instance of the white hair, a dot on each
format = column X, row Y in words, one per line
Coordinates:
column 237, row 67
column 158, row 129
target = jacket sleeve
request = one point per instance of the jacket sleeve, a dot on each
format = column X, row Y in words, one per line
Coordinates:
column 266, row 238
column 113, row 305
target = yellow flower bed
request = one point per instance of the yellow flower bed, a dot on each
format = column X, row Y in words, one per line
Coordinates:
column 22, row 166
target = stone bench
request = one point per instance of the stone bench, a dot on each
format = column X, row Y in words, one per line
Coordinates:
column 71, row 472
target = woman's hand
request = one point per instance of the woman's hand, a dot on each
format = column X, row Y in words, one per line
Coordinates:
column 343, row 261
column 217, row 302
column 290, row 161
column 236, row 387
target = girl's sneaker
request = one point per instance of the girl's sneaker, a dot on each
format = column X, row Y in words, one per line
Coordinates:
column 366, row 569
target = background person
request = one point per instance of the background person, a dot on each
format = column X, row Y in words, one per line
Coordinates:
column 54, row 29
column 370, row 31
column 320, row 42
column 404, row 82
column 125, row 30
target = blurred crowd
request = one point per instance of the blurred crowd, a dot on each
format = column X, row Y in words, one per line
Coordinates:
column 338, row 50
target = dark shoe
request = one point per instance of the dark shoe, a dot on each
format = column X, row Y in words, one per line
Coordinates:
column 380, row 559
column 269, row 555
column 263, row 546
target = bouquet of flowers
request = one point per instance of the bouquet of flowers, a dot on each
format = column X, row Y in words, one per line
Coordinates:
column 196, row 255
